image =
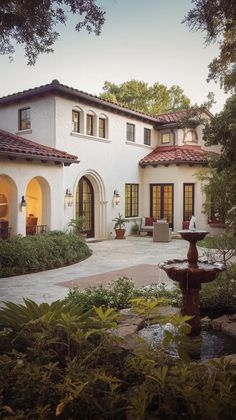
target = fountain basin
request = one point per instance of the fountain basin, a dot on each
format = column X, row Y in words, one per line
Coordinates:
column 190, row 276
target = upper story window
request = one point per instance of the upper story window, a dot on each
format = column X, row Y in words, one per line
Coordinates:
column 102, row 128
column 24, row 119
column 165, row 137
column 190, row 136
column 89, row 124
column 76, row 121
column 130, row 132
column 147, row 136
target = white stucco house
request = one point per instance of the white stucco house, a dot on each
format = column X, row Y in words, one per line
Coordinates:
column 57, row 142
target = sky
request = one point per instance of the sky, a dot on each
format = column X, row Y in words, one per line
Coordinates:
column 143, row 40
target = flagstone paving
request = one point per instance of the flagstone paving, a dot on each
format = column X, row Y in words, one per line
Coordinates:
column 135, row 257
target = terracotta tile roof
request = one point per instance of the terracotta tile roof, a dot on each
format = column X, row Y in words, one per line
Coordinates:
column 166, row 155
column 12, row 145
column 172, row 117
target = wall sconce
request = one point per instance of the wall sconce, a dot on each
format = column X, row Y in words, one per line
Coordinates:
column 23, row 204
column 68, row 198
column 116, row 197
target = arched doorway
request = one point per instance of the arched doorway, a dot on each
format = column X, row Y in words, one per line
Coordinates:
column 85, row 204
column 38, row 206
column 8, row 207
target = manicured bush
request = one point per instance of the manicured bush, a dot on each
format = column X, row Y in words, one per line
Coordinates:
column 20, row 255
column 58, row 362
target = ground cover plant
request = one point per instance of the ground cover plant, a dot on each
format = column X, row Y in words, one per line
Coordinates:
column 57, row 361
column 20, row 255
column 216, row 298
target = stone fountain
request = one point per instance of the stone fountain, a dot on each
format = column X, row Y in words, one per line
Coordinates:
column 190, row 274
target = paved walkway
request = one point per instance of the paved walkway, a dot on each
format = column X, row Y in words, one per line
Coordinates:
column 135, row 257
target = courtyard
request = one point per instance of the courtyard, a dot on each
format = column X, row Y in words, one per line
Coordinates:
column 135, row 257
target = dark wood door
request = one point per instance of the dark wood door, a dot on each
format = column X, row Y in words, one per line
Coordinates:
column 162, row 202
column 85, row 204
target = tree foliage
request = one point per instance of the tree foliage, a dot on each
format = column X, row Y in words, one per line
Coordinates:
column 31, row 23
column 218, row 20
column 152, row 100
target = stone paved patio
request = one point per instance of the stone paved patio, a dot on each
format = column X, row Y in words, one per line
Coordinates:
column 110, row 257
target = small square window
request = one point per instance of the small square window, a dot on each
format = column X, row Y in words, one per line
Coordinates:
column 89, row 125
column 130, row 132
column 25, row 119
column 102, row 128
column 165, row 138
column 76, row 121
column 147, row 136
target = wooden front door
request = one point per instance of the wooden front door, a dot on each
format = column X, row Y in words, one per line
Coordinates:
column 162, row 202
column 85, row 204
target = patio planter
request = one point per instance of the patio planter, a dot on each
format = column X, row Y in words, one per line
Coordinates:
column 120, row 233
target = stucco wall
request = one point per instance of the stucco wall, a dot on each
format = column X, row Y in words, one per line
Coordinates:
column 42, row 120
column 51, row 179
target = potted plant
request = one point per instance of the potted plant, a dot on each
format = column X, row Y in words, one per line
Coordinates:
column 78, row 226
column 119, row 226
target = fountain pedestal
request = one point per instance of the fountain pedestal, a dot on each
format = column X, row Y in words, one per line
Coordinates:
column 191, row 274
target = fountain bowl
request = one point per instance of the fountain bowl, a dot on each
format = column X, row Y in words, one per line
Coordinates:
column 189, row 276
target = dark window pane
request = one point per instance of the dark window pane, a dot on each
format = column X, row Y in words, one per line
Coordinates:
column 130, row 132
column 102, row 128
column 24, row 119
column 147, row 136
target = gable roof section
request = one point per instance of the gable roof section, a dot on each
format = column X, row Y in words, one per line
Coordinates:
column 13, row 146
column 167, row 155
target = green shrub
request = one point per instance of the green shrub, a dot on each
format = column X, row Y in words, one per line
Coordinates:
column 58, row 362
column 20, row 255
column 219, row 297
column 119, row 293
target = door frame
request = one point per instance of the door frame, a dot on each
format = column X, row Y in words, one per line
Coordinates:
column 162, row 201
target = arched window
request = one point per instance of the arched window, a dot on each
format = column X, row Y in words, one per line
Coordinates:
column 103, row 126
column 91, row 123
column 190, row 136
column 77, row 120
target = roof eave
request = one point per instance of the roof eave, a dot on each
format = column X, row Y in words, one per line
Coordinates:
column 173, row 162
column 28, row 156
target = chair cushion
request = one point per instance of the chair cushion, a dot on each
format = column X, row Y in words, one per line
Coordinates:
column 149, row 221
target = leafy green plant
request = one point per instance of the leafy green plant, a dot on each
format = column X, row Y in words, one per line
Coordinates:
column 20, row 255
column 57, row 361
column 119, row 221
column 135, row 228
column 78, row 225
column 219, row 297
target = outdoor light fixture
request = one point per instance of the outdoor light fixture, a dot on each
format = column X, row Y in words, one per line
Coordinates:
column 23, row 204
column 116, row 197
column 68, row 198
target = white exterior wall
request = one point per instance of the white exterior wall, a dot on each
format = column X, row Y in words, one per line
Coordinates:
column 22, row 172
column 108, row 163
column 42, row 120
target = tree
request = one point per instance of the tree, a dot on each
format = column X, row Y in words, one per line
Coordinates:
column 218, row 20
column 220, row 181
column 31, row 23
column 140, row 96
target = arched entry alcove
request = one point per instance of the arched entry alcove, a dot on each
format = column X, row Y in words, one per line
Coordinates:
column 91, row 203
column 8, row 206
column 38, row 210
